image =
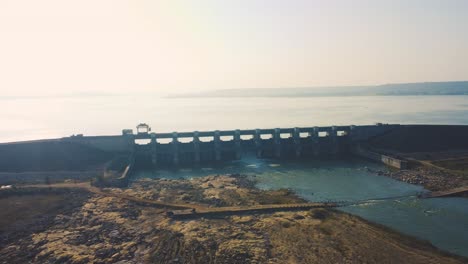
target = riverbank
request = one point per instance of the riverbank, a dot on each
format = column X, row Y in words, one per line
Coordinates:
column 102, row 228
column 435, row 171
column 431, row 178
column 437, row 155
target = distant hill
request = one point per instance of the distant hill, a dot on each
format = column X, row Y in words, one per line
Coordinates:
column 428, row 88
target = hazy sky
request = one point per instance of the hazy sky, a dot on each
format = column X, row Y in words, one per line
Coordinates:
column 94, row 46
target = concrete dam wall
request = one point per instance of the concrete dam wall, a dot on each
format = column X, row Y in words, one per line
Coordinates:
column 147, row 149
column 359, row 150
column 192, row 148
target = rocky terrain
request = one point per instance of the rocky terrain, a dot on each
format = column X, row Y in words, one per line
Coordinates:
column 433, row 179
column 95, row 228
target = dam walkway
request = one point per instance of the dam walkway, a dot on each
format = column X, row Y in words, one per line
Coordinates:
column 239, row 210
column 182, row 211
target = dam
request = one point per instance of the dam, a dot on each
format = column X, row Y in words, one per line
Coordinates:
column 83, row 157
column 154, row 150
column 116, row 157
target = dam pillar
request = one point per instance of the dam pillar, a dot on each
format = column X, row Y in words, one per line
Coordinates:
column 196, row 148
column 297, row 142
column 154, row 154
column 258, row 143
column 315, row 141
column 237, row 143
column 334, row 139
column 217, row 145
column 277, row 142
column 175, row 149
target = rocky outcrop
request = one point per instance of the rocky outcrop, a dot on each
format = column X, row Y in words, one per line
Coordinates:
column 431, row 178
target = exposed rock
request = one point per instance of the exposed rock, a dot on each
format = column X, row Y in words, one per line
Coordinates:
column 111, row 230
column 114, row 233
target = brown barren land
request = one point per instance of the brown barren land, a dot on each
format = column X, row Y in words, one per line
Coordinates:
column 106, row 226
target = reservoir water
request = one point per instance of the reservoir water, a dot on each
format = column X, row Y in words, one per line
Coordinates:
column 51, row 117
column 442, row 221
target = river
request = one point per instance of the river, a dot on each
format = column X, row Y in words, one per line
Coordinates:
column 442, row 221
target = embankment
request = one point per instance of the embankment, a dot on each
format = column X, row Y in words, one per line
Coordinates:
column 422, row 138
column 51, row 156
column 55, row 161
